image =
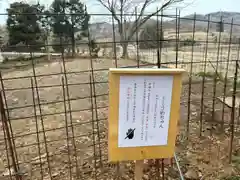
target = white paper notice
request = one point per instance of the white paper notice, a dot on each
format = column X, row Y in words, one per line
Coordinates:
column 144, row 110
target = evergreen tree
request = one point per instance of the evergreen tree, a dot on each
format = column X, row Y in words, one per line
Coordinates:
column 68, row 18
column 22, row 24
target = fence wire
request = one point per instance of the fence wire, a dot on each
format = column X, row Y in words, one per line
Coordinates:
column 54, row 106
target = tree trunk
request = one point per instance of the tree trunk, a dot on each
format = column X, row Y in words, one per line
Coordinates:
column 47, row 49
column 73, row 45
column 1, row 57
column 73, row 37
column 125, row 50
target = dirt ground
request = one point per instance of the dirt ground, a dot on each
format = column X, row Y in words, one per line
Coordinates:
column 72, row 133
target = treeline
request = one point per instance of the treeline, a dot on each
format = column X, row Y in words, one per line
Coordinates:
column 33, row 27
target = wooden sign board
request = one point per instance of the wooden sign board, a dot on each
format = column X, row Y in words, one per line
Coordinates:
column 144, row 108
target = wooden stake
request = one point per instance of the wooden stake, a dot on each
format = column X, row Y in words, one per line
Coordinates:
column 139, row 170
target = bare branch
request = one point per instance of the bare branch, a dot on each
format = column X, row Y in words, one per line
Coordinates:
column 110, row 8
column 137, row 24
column 120, row 9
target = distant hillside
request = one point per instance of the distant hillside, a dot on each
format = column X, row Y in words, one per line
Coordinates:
column 186, row 23
column 104, row 30
column 226, row 16
column 216, row 16
column 202, row 21
column 101, row 30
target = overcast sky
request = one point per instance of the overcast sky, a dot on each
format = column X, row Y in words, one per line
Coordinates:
column 189, row 7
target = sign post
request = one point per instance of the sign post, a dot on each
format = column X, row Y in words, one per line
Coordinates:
column 143, row 114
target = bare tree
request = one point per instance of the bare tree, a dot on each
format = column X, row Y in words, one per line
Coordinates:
column 123, row 11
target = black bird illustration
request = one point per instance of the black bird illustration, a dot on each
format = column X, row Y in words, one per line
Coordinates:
column 130, row 133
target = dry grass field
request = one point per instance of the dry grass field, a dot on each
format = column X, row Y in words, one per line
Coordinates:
column 20, row 101
column 217, row 49
column 196, row 56
column 197, row 155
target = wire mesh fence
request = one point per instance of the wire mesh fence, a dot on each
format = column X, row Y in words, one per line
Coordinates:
column 54, row 104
